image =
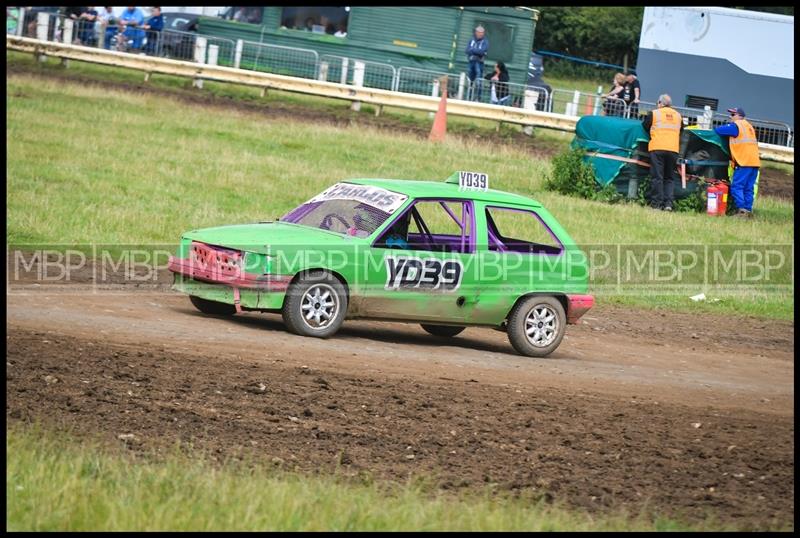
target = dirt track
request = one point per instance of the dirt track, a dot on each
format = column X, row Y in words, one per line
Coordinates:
column 610, row 420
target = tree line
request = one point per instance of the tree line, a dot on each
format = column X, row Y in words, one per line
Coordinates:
column 599, row 33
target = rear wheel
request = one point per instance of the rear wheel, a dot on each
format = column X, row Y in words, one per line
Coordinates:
column 537, row 325
column 212, row 307
column 315, row 305
column 442, row 330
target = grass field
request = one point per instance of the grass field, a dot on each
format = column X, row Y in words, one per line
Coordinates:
column 91, row 165
column 54, row 482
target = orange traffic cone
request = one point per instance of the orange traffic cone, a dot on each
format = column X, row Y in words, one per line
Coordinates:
column 440, row 121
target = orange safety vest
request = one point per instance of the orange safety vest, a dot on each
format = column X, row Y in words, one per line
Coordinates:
column 665, row 132
column 744, row 148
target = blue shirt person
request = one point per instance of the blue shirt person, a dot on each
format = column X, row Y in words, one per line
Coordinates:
column 131, row 20
column 476, row 51
column 744, row 180
column 153, row 28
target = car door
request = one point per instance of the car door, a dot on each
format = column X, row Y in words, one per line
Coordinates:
column 518, row 253
column 421, row 266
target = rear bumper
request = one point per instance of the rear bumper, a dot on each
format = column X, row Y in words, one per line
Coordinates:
column 252, row 281
column 578, row 306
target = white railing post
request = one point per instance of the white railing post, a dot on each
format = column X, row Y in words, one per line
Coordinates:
column 434, row 93
column 358, row 81
column 571, row 109
column 323, row 71
column 67, row 34
column 596, row 108
column 344, row 70
column 42, row 25
column 529, row 103
column 237, row 57
column 705, row 123
column 200, row 45
column 462, row 80
column 213, row 54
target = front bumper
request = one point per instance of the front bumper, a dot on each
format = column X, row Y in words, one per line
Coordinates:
column 578, row 306
column 252, row 281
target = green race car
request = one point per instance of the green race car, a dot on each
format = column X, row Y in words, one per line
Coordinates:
column 443, row 254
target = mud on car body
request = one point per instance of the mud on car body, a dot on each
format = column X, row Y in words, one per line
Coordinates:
column 446, row 255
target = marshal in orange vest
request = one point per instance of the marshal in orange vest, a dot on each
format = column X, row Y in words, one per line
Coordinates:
column 665, row 132
column 744, row 148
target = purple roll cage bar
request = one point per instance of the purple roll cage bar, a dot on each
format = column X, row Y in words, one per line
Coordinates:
column 467, row 242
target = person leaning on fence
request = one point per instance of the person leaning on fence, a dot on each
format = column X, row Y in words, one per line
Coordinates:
column 499, row 81
column 86, row 24
column 476, row 51
column 130, row 22
column 614, row 104
column 746, row 161
column 664, row 125
column 152, row 28
column 631, row 93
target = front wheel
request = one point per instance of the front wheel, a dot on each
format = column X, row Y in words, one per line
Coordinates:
column 315, row 305
column 537, row 325
column 212, row 307
column 446, row 331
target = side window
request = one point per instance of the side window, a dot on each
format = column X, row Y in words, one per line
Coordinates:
column 501, row 40
column 434, row 225
column 319, row 20
column 519, row 230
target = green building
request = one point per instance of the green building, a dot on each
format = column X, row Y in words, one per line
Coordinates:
column 397, row 44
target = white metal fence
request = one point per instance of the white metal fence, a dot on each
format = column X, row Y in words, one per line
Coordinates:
column 307, row 63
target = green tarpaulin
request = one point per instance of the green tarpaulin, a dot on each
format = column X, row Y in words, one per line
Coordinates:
column 617, row 149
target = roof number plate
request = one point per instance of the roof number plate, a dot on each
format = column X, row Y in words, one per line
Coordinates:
column 473, row 181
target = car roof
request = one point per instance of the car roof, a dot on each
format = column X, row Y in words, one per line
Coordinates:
column 427, row 189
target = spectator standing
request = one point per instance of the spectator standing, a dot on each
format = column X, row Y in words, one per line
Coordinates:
column 341, row 32
column 746, row 161
column 153, row 27
column 130, row 23
column 86, row 26
column 631, row 93
column 499, row 81
column 614, row 104
column 664, row 125
column 476, row 51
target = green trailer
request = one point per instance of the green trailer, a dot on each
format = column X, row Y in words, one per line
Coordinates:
column 430, row 39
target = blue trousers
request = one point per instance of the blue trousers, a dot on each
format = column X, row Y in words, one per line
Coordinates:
column 475, row 76
column 742, row 183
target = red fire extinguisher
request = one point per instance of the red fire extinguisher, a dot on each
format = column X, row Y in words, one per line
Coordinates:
column 717, row 195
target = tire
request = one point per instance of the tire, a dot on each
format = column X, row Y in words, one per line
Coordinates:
column 545, row 317
column 446, row 331
column 315, row 294
column 212, row 307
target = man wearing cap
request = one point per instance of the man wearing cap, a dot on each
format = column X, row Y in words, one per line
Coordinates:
column 476, row 51
column 746, row 161
column 664, row 125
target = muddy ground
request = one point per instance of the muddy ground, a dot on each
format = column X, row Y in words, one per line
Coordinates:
column 637, row 409
column 773, row 182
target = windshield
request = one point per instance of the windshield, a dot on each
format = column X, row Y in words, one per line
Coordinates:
column 346, row 208
column 341, row 216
